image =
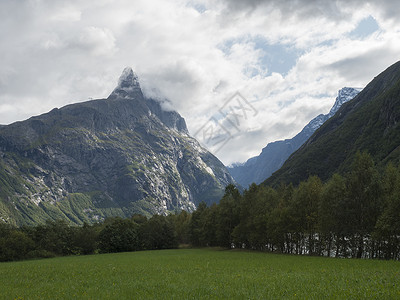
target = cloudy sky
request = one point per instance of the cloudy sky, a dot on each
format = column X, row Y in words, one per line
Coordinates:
column 242, row 73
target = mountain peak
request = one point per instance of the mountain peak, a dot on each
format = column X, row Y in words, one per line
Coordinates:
column 128, row 85
column 344, row 95
column 128, row 79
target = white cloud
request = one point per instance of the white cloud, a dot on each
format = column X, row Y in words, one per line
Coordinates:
column 66, row 14
column 197, row 54
column 98, row 41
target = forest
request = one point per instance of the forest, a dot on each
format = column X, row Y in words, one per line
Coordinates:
column 356, row 215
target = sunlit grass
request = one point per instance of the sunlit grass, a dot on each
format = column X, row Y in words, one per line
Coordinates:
column 199, row 273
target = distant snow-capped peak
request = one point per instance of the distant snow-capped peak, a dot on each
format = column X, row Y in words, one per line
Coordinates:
column 344, row 95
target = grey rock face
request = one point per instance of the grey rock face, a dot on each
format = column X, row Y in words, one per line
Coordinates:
column 272, row 157
column 116, row 156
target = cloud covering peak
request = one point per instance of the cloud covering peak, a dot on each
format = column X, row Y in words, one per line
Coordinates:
column 128, row 79
column 128, row 85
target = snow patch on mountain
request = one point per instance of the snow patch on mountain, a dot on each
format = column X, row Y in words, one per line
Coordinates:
column 344, row 95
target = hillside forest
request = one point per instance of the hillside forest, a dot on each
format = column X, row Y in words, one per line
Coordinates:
column 353, row 215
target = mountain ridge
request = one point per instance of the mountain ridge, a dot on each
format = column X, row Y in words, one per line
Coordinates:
column 259, row 168
column 369, row 123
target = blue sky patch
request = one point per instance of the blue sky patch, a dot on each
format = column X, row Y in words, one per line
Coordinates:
column 201, row 8
column 277, row 58
column 365, row 28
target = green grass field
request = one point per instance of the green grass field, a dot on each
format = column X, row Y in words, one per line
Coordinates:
column 199, row 273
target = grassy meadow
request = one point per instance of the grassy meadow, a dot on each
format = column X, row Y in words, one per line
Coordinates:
column 199, row 273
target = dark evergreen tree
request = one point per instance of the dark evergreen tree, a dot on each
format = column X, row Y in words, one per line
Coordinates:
column 158, row 233
column 181, row 223
column 119, row 235
column 227, row 216
column 197, row 225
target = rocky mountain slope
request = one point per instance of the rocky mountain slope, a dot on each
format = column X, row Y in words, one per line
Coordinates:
column 116, row 156
column 369, row 122
column 272, row 157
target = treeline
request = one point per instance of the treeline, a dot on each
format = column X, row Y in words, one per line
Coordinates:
column 357, row 215
column 58, row 238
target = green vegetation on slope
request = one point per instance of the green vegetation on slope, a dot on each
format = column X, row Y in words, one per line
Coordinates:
column 369, row 122
column 199, row 274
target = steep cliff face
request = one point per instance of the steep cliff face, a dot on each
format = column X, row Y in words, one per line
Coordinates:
column 116, row 156
column 273, row 156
